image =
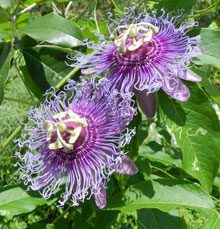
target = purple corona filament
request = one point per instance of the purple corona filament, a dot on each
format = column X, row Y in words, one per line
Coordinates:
column 75, row 139
column 144, row 54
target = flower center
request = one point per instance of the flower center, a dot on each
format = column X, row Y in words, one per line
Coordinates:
column 140, row 33
column 67, row 128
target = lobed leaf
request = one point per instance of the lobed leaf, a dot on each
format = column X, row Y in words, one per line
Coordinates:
column 196, row 128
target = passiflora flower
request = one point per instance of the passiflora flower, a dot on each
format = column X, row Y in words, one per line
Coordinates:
column 74, row 139
column 145, row 53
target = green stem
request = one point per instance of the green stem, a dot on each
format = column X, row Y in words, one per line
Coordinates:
column 95, row 17
column 68, row 50
column 61, row 215
column 28, row 8
column 206, row 9
column 211, row 8
column 13, row 134
column 117, row 9
column 68, row 76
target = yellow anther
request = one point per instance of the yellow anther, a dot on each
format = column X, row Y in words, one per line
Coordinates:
column 76, row 118
column 61, row 126
column 50, row 129
column 144, row 30
column 148, row 35
column 112, row 36
column 55, row 145
column 135, row 45
column 75, row 134
column 133, row 32
column 60, row 115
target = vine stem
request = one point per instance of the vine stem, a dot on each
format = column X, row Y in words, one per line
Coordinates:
column 211, row 8
column 28, row 8
column 116, row 7
column 14, row 133
column 61, row 215
column 95, row 17
column 68, row 76
column 21, row 126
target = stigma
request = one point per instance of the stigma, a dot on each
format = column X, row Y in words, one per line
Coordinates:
column 139, row 34
column 63, row 123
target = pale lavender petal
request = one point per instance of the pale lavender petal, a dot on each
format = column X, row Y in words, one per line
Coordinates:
column 88, row 71
column 191, row 76
column 126, row 166
column 176, row 89
column 147, row 102
column 197, row 51
column 100, row 196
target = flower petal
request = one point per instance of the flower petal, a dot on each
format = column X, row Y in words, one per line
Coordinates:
column 127, row 167
column 100, row 196
column 88, row 71
column 147, row 102
column 176, row 89
column 190, row 75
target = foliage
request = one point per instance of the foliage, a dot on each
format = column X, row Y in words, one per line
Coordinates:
column 177, row 153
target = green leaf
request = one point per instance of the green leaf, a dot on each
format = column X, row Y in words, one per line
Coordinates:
column 4, row 15
column 5, row 25
column 213, row 91
column 210, row 43
column 30, row 82
column 8, row 5
column 132, row 147
column 104, row 219
column 6, row 55
column 46, row 67
column 89, row 217
column 213, row 222
column 29, row 2
column 175, row 5
column 3, row 34
column 55, row 30
column 158, row 156
column 155, row 219
column 196, row 128
column 163, row 194
column 16, row 201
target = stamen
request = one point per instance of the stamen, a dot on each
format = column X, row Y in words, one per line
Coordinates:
column 122, row 33
column 61, row 126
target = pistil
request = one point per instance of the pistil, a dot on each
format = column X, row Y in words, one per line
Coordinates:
column 61, row 126
column 139, row 33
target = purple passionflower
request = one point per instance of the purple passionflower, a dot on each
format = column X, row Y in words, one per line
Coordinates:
column 146, row 53
column 75, row 139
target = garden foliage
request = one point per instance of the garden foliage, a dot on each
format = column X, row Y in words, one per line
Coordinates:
column 177, row 152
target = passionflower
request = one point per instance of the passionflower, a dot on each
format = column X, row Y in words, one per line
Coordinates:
column 145, row 53
column 74, row 141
